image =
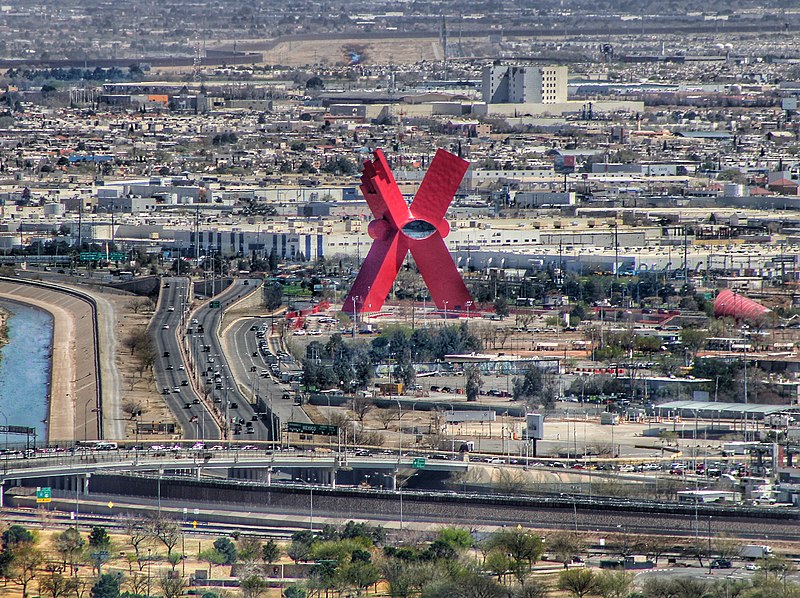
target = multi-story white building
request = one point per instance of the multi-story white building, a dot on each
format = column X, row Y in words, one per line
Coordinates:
column 508, row 84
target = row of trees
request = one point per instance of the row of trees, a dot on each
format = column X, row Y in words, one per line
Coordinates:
column 24, row 560
column 351, row 365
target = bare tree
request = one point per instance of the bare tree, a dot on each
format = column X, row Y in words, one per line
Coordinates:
column 137, row 337
column 172, row 587
column 387, row 416
column 360, row 406
column 133, row 408
column 166, row 530
column 140, row 304
column 503, row 334
column 137, row 582
column 27, row 560
column 55, row 584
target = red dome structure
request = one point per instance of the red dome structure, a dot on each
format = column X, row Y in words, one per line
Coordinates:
column 729, row 304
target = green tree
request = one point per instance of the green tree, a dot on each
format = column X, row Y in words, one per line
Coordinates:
column 501, row 307
column 69, row 544
column 99, row 538
column 530, row 385
column 106, row 586
column 227, row 549
column 249, row 549
column 459, row 539
column 693, row 339
column 294, row 591
column 361, row 574
column 578, row 582
column 298, row 551
column 474, row 382
column 212, row 557
column 17, row 535
column 253, row 586
column 614, row 584
column 273, row 296
column 523, row 547
column 564, row 546
column 270, row 552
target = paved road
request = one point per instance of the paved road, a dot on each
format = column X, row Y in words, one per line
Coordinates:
column 171, row 371
column 247, row 354
column 214, row 369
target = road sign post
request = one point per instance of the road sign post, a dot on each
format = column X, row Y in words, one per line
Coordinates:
column 418, row 463
column 317, row 429
column 101, row 256
column 43, row 494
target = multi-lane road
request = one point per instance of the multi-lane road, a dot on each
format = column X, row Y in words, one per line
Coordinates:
column 214, row 369
column 172, row 371
column 249, row 344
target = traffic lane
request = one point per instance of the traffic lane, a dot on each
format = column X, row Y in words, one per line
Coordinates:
column 249, row 356
column 176, row 313
column 168, row 374
column 209, row 317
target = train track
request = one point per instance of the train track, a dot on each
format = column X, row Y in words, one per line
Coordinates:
column 265, row 509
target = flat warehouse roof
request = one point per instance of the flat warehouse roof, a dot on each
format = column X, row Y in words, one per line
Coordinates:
column 726, row 408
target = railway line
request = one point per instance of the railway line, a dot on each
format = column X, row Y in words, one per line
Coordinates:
column 280, row 515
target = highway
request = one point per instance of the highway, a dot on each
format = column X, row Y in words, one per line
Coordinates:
column 214, row 371
column 172, row 376
column 247, row 356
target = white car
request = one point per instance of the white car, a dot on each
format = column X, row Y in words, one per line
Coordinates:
column 165, row 327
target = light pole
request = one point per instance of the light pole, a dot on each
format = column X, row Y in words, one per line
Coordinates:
column 5, row 421
column 445, row 312
column 355, row 315
column 400, row 456
column 86, row 418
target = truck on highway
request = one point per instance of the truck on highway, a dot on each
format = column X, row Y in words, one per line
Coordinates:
column 755, row 551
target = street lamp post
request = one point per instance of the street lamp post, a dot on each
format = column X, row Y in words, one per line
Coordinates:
column 86, row 418
column 5, row 421
column 355, row 315
column 148, row 572
column 400, row 456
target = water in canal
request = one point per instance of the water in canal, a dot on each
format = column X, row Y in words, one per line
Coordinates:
column 25, row 370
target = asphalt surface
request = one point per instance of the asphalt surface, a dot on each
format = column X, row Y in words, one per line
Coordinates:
column 224, row 391
column 252, row 371
column 171, row 371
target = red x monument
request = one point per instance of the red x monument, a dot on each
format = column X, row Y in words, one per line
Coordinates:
column 399, row 228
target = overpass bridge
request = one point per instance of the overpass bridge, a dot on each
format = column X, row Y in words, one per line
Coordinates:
column 73, row 471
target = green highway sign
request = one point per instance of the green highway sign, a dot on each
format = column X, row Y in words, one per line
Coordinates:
column 214, row 304
column 318, row 429
column 96, row 256
column 43, row 494
column 418, row 463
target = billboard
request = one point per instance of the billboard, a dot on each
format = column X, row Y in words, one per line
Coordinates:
column 535, row 426
column 456, row 417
